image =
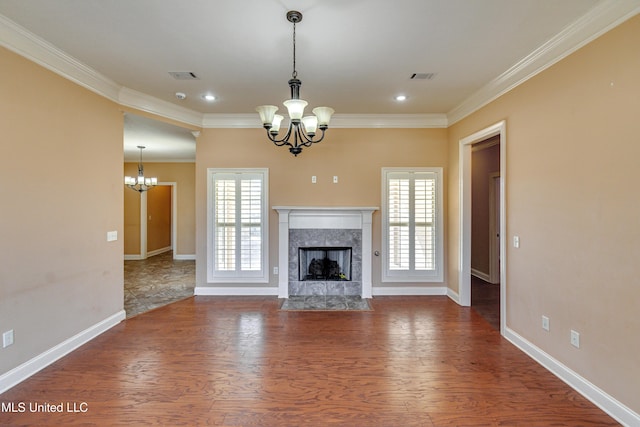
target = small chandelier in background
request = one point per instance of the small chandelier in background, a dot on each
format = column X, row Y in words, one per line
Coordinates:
column 140, row 183
column 302, row 130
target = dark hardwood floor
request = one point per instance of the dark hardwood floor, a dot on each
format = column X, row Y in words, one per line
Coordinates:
column 485, row 300
column 240, row 361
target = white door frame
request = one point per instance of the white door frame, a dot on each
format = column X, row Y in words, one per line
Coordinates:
column 464, row 267
column 174, row 219
column 494, row 227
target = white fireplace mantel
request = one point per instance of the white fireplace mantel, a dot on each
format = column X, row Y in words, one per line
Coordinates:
column 317, row 217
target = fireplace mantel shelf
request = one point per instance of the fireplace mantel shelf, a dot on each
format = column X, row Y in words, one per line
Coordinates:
column 326, row 208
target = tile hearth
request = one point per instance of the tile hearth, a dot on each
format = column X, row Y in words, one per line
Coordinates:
column 326, row 302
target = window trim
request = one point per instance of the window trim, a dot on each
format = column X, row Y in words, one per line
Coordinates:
column 260, row 276
column 435, row 275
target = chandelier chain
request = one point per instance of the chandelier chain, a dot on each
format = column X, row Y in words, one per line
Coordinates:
column 295, row 73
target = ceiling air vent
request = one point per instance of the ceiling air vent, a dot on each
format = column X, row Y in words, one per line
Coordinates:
column 183, row 75
column 422, row 76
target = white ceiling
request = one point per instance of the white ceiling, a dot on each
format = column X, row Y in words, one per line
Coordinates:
column 352, row 55
column 162, row 142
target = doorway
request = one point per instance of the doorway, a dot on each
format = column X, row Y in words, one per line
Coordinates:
column 485, row 231
column 159, row 226
column 466, row 213
column 150, row 221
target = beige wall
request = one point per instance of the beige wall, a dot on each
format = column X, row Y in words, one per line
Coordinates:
column 183, row 174
column 572, row 197
column 356, row 156
column 61, row 169
column 484, row 163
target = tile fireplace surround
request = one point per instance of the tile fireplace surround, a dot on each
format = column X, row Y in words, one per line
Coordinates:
column 325, row 226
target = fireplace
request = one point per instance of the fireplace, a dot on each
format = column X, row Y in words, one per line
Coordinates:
column 324, row 263
column 326, row 228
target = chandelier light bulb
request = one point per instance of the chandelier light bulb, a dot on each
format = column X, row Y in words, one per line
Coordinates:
column 275, row 125
column 295, row 107
column 324, row 115
column 266, row 112
column 310, row 125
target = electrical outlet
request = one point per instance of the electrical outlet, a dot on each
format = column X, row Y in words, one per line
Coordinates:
column 545, row 323
column 335, row 179
column 7, row 338
column 275, row 270
column 313, row 179
column 516, row 241
column 575, row 339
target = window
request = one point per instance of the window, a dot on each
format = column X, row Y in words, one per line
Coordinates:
column 237, row 221
column 412, row 224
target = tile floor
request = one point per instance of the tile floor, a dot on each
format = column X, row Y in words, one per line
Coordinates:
column 157, row 281
column 325, row 302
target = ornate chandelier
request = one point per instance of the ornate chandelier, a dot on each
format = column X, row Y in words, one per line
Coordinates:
column 302, row 130
column 140, row 183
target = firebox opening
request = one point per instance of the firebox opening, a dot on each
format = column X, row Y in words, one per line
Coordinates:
column 324, row 263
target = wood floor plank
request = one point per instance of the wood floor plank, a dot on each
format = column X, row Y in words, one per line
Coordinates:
column 239, row 361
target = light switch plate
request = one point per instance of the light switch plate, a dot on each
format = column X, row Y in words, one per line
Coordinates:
column 575, row 339
column 112, row 236
column 545, row 323
column 7, row 338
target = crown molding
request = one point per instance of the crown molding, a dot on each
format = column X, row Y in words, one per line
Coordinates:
column 605, row 16
column 231, row 121
column 389, row 121
column 599, row 20
column 337, row 121
column 26, row 44
column 141, row 101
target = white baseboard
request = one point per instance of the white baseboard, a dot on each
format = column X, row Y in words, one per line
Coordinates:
column 481, row 275
column 234, row 291
column 186, row 257
column 158, row 251
column 138, row 257
column 408, row 290
column 453, row 295
column 41, row 361
column 597, row 396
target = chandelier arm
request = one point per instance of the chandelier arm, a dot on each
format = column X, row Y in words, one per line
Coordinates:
column 304, row 138
column 319, row 139
column 283, row 141
column 309, row 141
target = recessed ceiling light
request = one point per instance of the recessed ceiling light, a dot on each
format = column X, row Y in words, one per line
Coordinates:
column 401, row 98
column 209, row 97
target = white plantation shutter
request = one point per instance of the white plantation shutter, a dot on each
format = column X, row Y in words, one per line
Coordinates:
column 399, row 236
column 412, row 224
column 238, row 229
column 251, row 224
column 225, row 220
